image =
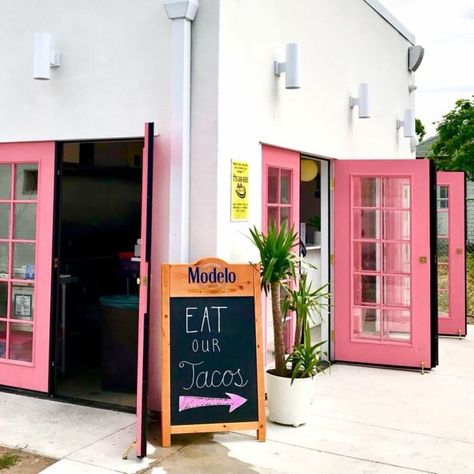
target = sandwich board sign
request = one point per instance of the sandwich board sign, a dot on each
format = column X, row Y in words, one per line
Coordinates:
column 211, row 349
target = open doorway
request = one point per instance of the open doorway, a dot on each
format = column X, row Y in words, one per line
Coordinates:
column 314, row 229
column 97, row 248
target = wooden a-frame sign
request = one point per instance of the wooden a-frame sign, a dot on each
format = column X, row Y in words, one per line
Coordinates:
column 211, row 349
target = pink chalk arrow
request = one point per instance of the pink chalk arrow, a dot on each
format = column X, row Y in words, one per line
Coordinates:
column 234, row 401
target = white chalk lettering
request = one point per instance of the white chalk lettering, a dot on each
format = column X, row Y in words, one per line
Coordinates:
column 205, row 319
column 219, row 316
column 188, row 316
column 215, row 345
column 205, row 345
column 211, row 319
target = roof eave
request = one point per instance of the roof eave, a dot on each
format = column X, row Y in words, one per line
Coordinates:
column 391, row 20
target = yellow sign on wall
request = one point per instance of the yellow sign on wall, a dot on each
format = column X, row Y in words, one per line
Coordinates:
column 240, row 191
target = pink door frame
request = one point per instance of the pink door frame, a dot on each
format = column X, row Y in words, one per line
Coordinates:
column 454, row 323
column 144, row 290
column 348, row 346
column 35, row 375
column 287, row 161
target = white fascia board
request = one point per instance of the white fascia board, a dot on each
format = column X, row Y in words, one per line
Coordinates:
column 389, row 18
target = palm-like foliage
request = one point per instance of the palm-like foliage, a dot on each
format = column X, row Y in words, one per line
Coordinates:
column 307, row 360
column 277, row 263
column 277, row 260
column 306, row 302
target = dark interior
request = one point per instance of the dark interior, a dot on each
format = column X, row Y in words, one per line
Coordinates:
column 99, row 224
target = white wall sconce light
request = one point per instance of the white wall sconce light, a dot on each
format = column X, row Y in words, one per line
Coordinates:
column 362, row 101
column 408, row 124
column 413, row 143
column 415, row 56
column 45, row 58
column 291, row 67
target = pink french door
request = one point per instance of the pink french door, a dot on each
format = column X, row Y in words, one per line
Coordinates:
column 281, row 188
column 450, row 202
column 26, row 226
column 144, row 290
column 382, row 291
column 281, row 201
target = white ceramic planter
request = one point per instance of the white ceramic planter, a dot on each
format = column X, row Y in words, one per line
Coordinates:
column 289, row 404
column 317, row 237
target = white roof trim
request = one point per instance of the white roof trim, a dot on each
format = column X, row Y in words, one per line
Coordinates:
column 389, row 18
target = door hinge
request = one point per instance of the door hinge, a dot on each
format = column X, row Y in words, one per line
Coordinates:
column 332, row 184
column 332, row 335
column 142, row 281
column 56, row 262
column 332, row 259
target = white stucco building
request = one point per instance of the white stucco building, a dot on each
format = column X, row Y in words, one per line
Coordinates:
column 206, row 79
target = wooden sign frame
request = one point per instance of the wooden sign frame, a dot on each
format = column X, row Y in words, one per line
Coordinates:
column 174, row 283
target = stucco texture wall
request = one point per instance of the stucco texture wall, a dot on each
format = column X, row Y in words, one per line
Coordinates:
column 342, row 43
column 114, row 71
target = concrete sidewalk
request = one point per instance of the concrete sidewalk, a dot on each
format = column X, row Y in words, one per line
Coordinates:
column 364, row 420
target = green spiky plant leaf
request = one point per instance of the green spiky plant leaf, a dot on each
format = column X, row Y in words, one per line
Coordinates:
column 278, row 263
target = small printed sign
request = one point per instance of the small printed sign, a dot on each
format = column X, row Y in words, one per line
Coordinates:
column 22, row 305
column 239, row 189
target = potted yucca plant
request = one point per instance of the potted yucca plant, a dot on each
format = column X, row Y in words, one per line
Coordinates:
column 289, row 386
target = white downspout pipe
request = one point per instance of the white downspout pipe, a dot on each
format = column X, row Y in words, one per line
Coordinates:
column 181, row 13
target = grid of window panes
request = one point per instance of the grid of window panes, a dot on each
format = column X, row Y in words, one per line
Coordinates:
column 18, row 205
column 279, row 205
column 381, row 261
column 442, row 207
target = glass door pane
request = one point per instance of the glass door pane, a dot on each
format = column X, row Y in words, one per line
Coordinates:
column 442, row 207
column 381, row 259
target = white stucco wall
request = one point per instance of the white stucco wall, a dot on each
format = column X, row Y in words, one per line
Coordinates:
column 343, row 43
column 115, row 59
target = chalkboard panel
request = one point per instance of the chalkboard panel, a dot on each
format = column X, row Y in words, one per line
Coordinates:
column 211, row 349
column 213, row 354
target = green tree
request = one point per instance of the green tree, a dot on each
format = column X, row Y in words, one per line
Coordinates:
column 420, row 129
column 454, row 150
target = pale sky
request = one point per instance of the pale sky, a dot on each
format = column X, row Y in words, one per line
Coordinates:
column 445, row 28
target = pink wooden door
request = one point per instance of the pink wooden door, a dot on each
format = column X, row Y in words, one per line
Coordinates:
column 382, row 263
column 26, row 226
column 144, row 290
column 281, row 203
column 450, row 202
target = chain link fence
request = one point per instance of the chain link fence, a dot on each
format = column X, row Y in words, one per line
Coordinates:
column 470, row 286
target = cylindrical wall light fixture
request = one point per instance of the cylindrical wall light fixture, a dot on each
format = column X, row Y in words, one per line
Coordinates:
column 291, row 67
column 408, row 123
column 44, row 57
column 362, row 101
column 41, row 67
